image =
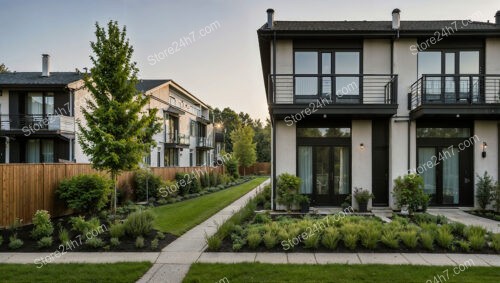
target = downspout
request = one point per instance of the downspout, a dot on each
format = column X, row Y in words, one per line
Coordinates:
column 274, row 128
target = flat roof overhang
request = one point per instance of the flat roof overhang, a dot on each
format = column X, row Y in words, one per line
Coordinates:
column 281, row 111
column 484, row 111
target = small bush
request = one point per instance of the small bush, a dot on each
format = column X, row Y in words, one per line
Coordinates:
column 63, row 236
column 312, row 241
column 350, row 235
column 114, row 242
column 42, row 225
column 183, row 180
column 484, row 190
column 495, row 242
column 464, row 245
column 477, row 242
column 117, row 230
column 473, row 231
column 262, row 218
column 94, row 242
column 213, row 242
column 287, row 190
column 139, row 223
column 160, row 235
column 253, row 240
column 146, row 183
column 458, row 228
column 213, row 178
column 330, row 238
column 427, row 240
column 154, row 244
column 409, row 238
column 370, row 235
column 409, row 190
column 44, row 242
column 86, row 193
column 81, row 226
column 390, row 238
column 232, row 167
column 139, row 242
column 196, row 186
column 270, row 240
column 444, row 237
column 15, row 243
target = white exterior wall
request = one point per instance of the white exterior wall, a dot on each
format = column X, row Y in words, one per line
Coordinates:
column 80, row 98
column 492, row 51
column 486, row 131
column 286, row 150
column 361, row 133
column 284, row 65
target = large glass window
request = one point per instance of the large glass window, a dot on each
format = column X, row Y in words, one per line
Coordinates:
column 49, row 103
column 425, row 155
column 306, row 63
column 347, row 63
column 171, row 157
column 305, row 169
column 341, row 173
column 323, row 132
column 35, row 103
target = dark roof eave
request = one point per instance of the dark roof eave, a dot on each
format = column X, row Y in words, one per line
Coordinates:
column 268, row 33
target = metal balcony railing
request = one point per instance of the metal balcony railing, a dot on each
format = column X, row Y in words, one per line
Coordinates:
column 175, row 138
column 204, row 142
column 36, row 122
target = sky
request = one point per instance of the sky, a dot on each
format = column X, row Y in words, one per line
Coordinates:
column 220, row 65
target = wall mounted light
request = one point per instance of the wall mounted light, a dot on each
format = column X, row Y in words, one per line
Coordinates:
column 485, row 146
column 362, row 146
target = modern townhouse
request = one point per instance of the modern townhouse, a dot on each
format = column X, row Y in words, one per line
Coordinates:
column 359, row 103
column 39, row 110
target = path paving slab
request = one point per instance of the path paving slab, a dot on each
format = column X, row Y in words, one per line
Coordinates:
column 461, row 216
column 227, row 257
column 301, row 258
column 92, row 257
column 341, row 258
column 414, row 259
column 378, row 258
column 493, row 260
column 167, row 273
column 4, row 257
column 437, row 259
column 186, row 245
column 271, row 258
column 468, row 259
column 178, row 257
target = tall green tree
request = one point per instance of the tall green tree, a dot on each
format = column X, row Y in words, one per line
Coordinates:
column 3, row 68
column 230, row 121
column 263, row 140
column 244, row 147
column 117, row 132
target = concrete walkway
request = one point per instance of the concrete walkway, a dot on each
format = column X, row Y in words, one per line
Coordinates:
column 461, row 216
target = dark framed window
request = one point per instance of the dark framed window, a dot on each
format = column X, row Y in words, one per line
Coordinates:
column 323, row 132
column 171, row 157
column 443, row 132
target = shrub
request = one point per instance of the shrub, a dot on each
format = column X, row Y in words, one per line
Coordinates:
column 253, row 240
column 214, row 242
column 114, row 242
column 464, row 245
column 427, row 240
column 282, row 235
column 160, row 235
column 330, row 238
column 184, row 181
column 288, row 189
column 196, row 186
column 458, row 228
column 370, row 235
column 81, row 226
column 390, row 238
column 139, row 223
column 64, row 236
column 495, row 242
column 484, row 190
column 362, row 196
column 409, row 190
column 1, row 240
column 350, row 235
column 477, row 242
column 44, row 242
column 262, row 218
column 213, row 178
column 43, row 225
column 409, row 238
column 472, row 231
column 146, row 183
column 86, row 193
column 15, row 243
column 94, row 242
column 139, row 242
column 312, row 241
column 117, row 230
column 444, row 238
column 154, row 244
column 496, row 197
column 270, row 240
column 232, row 167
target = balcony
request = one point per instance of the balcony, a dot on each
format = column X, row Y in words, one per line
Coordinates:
column 345, row 94
column 204, row 142
column 474, row 96
column 176, row 140
column 31, row 123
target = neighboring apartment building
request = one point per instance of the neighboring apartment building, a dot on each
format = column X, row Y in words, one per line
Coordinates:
column 357, row 104
column 39, row 110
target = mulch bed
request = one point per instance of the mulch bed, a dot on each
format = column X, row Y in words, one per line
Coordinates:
column 488, row 214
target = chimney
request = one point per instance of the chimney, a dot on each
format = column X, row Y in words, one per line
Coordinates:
column 395, row 19
column 497, row 18
column 45, row 65
column 270, row 18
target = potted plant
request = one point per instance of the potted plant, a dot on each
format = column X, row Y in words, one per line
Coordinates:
column 362, row 197
column 287, row 190
column 303, row 201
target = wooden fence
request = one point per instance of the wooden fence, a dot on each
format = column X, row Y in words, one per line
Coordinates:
column 26, row 188
column 259, row 168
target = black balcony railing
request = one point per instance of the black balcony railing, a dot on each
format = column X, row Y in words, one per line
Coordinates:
column 454, row 89
column 338, row 89
column 177, row 139
column 36, row 122
column 205, row 142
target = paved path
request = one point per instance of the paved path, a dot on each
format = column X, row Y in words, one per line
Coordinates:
column 461, row 216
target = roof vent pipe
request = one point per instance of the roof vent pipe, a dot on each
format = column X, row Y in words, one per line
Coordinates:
column 497, row 18
column 270, row 18
column 395, row 19
column 45, row 65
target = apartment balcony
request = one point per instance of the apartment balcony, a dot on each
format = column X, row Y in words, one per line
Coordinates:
column 472, row 96
column 204, row 142
column 28, row 124
column 176, row 140
column 344, row 95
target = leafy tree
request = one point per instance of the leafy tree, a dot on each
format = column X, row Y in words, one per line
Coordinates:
column 117, row 134
column 484, row 190
column 230, row 122
column 4, row 69
column 244, row 147
column 263, row 140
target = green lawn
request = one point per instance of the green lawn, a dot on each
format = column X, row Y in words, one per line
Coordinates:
column 256, row 272
column 74, row 272
column 177, row 218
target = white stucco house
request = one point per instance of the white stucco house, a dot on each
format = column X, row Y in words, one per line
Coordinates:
column 39, row 110
column 359, row 103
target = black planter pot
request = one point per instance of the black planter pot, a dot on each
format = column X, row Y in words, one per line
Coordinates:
column 304, row 207
column 363, row 207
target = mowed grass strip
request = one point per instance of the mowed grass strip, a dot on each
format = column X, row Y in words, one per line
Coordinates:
column 74, row 272
column 256, row 272
column 178, row 218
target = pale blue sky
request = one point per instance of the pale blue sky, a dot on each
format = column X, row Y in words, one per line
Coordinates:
column 223, row 68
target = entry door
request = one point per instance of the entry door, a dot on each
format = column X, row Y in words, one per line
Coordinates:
column 447, row 175
column 331, row 175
